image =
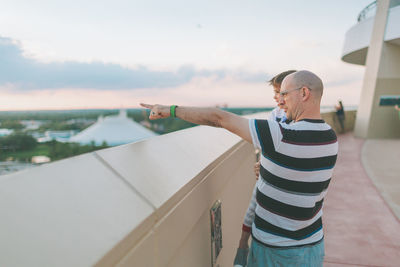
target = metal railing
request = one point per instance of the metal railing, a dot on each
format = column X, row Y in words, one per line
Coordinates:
column 368, row 11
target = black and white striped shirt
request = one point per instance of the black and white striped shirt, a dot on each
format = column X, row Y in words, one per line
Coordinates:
column 297, row 162
column 279, row 115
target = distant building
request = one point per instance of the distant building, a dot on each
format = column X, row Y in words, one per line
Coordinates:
column 5, row 132
column 60, row 136
column 114, row 130
column 80, row 121
column 31, row 124
column 40, row 159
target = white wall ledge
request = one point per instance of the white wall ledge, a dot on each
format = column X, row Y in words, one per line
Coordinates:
column 73, row 212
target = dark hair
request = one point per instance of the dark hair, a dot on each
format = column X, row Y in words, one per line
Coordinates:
column 276, row 81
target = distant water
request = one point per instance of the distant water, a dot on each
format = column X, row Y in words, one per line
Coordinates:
column 7, row 167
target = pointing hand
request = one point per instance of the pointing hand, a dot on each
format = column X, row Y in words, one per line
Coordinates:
column 157, row 111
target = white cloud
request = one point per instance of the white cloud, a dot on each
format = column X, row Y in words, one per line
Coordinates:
column 29, row 74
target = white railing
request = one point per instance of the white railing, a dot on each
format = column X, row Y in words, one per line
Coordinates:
column 368, row 11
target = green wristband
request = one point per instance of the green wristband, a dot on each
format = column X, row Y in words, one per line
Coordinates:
column 172, row 111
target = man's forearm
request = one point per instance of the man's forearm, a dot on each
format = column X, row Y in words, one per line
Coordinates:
column 204, row 116
column 216, row 118
column 244, row 240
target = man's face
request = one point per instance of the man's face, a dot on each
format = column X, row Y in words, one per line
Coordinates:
column 289, row 99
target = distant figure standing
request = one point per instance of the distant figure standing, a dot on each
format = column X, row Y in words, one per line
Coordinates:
column 398, row 109
column 340, row 115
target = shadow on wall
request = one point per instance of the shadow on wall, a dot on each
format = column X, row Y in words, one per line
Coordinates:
column 349, row 122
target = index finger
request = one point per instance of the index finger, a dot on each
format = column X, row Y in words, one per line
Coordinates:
column 147, row 105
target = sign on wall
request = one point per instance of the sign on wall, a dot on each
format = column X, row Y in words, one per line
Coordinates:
column 216, row 231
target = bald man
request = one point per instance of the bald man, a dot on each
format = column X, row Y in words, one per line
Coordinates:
column 297, row 162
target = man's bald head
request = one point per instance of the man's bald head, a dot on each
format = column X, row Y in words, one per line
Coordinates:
column 301, row 94
column 308, row 79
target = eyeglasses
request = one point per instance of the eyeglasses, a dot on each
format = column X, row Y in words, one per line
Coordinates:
column 283, row 94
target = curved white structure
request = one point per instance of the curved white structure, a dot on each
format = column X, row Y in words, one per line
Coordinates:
column 358, row 37
column 375, row 43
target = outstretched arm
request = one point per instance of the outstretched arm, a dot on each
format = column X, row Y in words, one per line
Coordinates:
column 205, row 116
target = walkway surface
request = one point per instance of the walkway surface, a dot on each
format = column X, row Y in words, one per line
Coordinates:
column 360, row 228
column 381, row 161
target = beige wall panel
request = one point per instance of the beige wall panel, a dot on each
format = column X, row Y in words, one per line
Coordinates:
column 332, row 120
column 178, row 225
column 384, row 122
column 131, row 239
column 235, row 200
column 143, row 255
column 390, row 61
column 195, row 250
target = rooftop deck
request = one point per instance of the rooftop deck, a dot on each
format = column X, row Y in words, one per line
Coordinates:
column 135, row 205
column 360, row 227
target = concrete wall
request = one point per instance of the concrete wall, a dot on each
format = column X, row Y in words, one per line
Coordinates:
column 332, row 120
column 141, row 204
column 393, row 32
column 182, row 237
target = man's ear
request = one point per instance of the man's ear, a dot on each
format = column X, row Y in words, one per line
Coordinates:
column 305, row 93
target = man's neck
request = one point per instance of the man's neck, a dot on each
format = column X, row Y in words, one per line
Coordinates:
column 310, row 114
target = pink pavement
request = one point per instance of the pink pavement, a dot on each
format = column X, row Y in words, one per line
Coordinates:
column 360, row 228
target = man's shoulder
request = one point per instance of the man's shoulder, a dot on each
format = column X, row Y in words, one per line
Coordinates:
column 314, row 127
column 268, row 121
column 263, row 126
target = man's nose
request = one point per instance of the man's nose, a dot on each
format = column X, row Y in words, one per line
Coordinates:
column 281, row 100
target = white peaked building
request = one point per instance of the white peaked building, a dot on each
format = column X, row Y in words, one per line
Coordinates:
column 115, row 130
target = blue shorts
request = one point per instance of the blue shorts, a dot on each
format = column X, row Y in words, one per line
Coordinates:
column 307, row 256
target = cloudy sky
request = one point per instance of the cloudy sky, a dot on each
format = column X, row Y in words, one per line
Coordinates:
column 115, row 54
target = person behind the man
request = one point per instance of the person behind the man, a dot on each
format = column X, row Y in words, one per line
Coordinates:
column 279, row 115
column 296, row 167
